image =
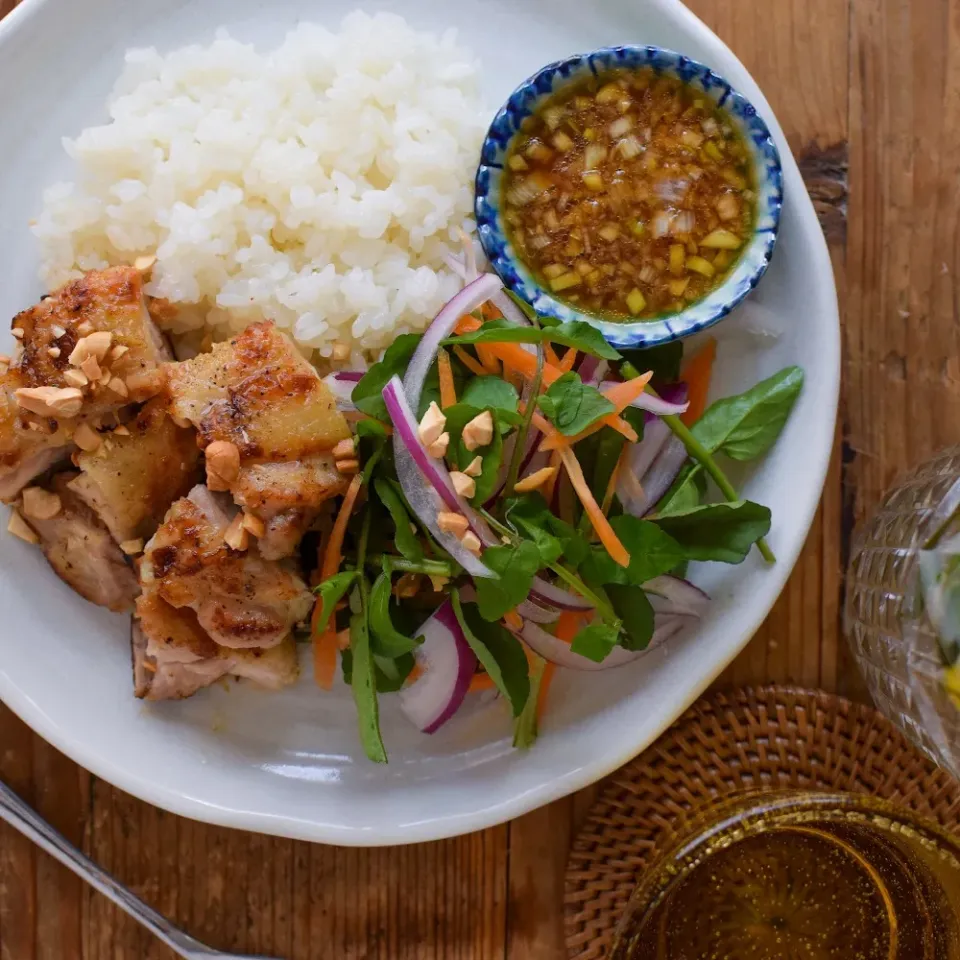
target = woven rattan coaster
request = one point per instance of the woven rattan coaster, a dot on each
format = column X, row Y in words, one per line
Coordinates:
column 727, row 742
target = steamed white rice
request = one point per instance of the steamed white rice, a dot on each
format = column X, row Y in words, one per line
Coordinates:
column 319, row 185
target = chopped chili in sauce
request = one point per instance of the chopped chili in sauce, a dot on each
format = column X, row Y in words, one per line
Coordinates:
column 629, row 195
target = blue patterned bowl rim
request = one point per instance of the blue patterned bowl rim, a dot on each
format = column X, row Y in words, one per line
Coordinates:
column 768, row 173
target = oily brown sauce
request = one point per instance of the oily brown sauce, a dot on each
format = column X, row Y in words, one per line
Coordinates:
column 629, row 195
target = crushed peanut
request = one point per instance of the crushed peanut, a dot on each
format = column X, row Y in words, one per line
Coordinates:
column 4, row 363
column 345, row 449
column 479, row 431
column 455, row 523
column 535, row 480
column 20, row 528
column 58, row 331
column 438, row 583
column 121, row 431
column 118, row 387
column 90, row 368
column 438, row 448
column 132, row 547
column 431, row 426
column 86, row 438
column 118, row 351
column 348, row 467
column 76, row 378
column 144, row 264
column 223, row 464
column 475, row 468
column 464, row 485
column 407, row 586
column 341, row 351
column 84, row 328
column 53, row 352
column 254, row 525
column 18, row 332
column 50, row 401
column 40, row 504
column 237, row 536
column 471, row 543
column 513, row 620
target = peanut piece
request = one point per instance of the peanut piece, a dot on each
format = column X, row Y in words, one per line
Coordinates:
column 53, row 353
column 475, row 468
column 118, row 387
column 91, row 368
column 223, row 464
column 132, row 547
column 50, row 401
column 479, row 431
column 471, row 543
column 76, row 378
column 237, row 536
column 86, row 438
column 348, row 467
column 438, row 448
column 464, row 485
column 18, row 332
column 40, row 504
column 432, row 424
column 455, row 523
column 144, row 264
column 341, row 351
column 20, row 528
column 254, row 525
column 345, row 449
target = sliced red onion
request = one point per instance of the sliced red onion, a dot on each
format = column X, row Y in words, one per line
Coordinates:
column 666, row 627
column 349, row 376
column 588, row 367
column 426, row 482
column 663, row 471
column 509, row 309
column 640, row 458
column 468, row 299
column 538, row 614
column 682, row 596
column 647, row 401
column 456, row 265
column 448, row 665
column 342, row 391
column 547, row 594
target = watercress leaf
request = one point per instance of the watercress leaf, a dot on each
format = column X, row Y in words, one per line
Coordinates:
column 363, row 682
column 367, row 393
column 595, row 641
column 530, row 515
column 574, row 333
column 372, row 440
column 405, row 539
column 491, row 392
column 635, row 611
column 517, row 564
column 330, row 592
column 458, row 416
column 386, row 639
column 687, row 491
column 746, row 426
column 498, row 650
column 525, row 727
column 724, row 532
column 572, row 406
column 663, row 360
column 391, row 673
column 653, row 552
column 636, row 418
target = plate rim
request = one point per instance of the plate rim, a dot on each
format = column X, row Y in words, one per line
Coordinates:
column 548, row 790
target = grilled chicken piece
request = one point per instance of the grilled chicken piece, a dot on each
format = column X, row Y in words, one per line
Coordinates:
column 131, row 482
column 257, row 392
column 103, row 301
column 82, row 552
column 241, row 600
column 288, row 498
column 173, row 657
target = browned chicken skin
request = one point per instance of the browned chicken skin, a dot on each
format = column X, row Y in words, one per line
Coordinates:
column 240, row 599
column 82, row 552
column 131, row 482
column 173, row 657
column 103, row 301
column 257, row 393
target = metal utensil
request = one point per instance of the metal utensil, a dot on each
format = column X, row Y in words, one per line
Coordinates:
column 31, row 825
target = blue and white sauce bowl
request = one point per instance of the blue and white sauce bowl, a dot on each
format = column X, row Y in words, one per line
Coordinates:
column 767, row 175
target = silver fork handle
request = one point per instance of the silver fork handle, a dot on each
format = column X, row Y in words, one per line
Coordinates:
column 21, row 817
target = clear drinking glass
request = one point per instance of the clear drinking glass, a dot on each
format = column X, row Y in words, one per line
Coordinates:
column 790, row 875
column 904, row 659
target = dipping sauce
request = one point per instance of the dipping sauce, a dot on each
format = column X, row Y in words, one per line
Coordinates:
column 629, row 195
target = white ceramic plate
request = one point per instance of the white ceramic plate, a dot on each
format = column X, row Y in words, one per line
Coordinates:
column 290, row 764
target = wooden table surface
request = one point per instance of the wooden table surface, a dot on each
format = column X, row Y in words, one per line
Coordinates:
column 868, row 92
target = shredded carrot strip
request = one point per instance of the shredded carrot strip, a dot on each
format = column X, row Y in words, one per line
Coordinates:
column 697, row 377
column 480, row 681
column 550, row 355
column 513, row 619
column 467, row 324
column 448, row 391
column 488, row 359
column 515, row 357
column 414, row 674
column 469, row 362
column 568, row 625
column 546, row 679
column 569, row 359
column 612, row 482
column 600, row 523
column 557, row 439
column 621, row 395
column 325, row 645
